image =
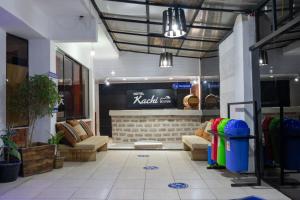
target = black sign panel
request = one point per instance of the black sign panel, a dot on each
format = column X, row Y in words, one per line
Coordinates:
column 154, row 98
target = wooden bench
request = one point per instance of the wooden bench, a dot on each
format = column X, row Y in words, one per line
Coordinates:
column 197, row 145
column 84, row 150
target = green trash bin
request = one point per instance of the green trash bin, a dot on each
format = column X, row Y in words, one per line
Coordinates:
column 221, row 157
column 274, row 129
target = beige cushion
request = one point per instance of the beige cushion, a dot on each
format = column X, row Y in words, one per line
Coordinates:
column 81, row 147
column 96, row 141
column 195, row 142
column 91, row 143
column 80, row 131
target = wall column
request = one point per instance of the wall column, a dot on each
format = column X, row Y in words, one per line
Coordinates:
column 2, row 79
column 236, row 73
column 42, row 60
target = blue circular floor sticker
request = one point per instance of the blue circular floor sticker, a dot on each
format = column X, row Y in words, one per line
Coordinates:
column 178, row 185
column 143, row 156
column 150, row 168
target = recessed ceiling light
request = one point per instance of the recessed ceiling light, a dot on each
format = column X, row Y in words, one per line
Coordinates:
column 107, row 83
column 124, row 79
column 205, row 81
column 296, row 79
column 93, row 53
column 113, row 73
column 145, row 78
column 194, row 81
column 171, row 78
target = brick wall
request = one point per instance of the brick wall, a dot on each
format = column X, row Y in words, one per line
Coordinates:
column 158, row 128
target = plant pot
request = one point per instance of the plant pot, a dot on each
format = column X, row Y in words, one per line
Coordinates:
column 9, row 171
column 58, row 162
column 37, row 159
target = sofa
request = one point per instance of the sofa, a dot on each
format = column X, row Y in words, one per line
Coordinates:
column 197, row 144
column 79, row 142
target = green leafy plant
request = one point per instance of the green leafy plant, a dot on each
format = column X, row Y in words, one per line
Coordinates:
column 34, row 98
column 56, row 138
column 10, row 148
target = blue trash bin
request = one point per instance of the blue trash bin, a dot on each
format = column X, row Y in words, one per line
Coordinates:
column 292, row 144
column 209, row 160
column 237, row 150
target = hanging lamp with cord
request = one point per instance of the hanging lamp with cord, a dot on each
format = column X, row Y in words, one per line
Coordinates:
column 166, row 58
column 174, row 23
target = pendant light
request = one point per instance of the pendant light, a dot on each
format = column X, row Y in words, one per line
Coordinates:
column 174, row 23
column 166, row 60
column 263, row 58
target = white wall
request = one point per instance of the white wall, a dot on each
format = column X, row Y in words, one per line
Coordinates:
column 31, row 16
column 41, row 61
column 144, row 65
column 236, row 72
column 2, row 79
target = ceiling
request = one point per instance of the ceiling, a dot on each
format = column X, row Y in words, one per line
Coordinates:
column 136, row 25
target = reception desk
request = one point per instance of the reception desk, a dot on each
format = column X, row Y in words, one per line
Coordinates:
column 159, row 125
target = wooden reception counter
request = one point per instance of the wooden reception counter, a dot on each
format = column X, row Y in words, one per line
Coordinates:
column 164, row 125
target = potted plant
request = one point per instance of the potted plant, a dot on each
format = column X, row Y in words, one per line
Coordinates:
column 35, row 98
column 55, row 140
column 11, row 159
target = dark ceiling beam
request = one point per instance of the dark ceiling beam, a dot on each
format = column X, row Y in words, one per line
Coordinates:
column 162, row 36
column 183, row 6
column 148, row 25
column 160, row 23
column 283, row 29
column 104, row 22
column 285, row 40
column 261, row 4
column 173, row 55
column 167, row 47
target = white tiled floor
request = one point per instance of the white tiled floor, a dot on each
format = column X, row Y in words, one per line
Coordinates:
column 119, row 175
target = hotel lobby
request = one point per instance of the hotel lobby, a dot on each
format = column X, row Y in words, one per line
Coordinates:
column 149, row 99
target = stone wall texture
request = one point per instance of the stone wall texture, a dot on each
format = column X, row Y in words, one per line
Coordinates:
column 158, row 128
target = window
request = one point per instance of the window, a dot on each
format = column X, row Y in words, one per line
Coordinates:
column 210, row 95
column 73, row 87
column 16, row 73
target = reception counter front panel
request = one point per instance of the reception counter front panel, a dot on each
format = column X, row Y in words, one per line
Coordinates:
column 157, row 125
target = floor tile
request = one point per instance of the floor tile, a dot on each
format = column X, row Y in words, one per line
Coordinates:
column 196, row 194
column 229, row 193
column 158, row 183
column 129, row 184
column 97, row 194
column 160, row 194
column 21, row 193
column 193, row 183
column 126, row 194
column 56, row 193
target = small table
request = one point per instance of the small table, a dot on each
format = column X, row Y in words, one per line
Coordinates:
column 148, row 145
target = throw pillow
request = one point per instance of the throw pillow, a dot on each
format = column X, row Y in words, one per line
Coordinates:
column 70, row 134
column 206, row 136
column 80, row 131
column 86, row 128
column 199, row 132
column 73, row 122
